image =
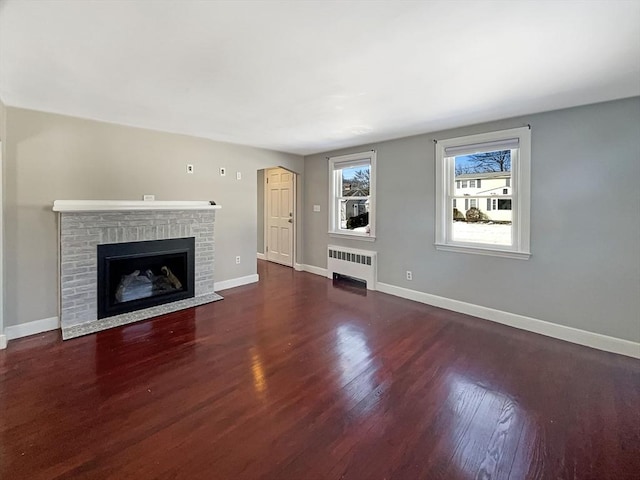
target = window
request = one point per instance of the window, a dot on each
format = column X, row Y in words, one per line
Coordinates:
column 504, row 204
column 469, row 203
column 496, row 159
column 472, row 184
column 352, row 195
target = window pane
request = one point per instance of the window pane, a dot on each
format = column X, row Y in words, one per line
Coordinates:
column 355, row 181
column 481, row 232
column 485, row 162
column 483, row 222
column 354, row 214
column 504, row 204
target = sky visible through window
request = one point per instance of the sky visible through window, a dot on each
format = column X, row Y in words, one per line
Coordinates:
column 355, row 180
column 464, row 161
column 349, row 173
column 469, row 164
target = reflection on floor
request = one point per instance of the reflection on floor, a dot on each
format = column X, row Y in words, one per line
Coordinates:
column 297, row 378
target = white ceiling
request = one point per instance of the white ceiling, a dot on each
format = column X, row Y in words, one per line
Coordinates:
column 311, row 76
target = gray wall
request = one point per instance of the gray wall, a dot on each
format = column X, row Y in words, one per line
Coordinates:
column 50, row 157
column 585, row 222
column 260, row 240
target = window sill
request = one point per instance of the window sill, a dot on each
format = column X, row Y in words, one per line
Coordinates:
column 353, row 236
column 483, row 251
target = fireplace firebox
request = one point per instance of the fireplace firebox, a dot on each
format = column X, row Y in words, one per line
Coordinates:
column 137, row 275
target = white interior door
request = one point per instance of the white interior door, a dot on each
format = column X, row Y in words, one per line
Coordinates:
column 280, row 216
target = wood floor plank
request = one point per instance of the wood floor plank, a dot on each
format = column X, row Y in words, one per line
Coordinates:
column 298, row 377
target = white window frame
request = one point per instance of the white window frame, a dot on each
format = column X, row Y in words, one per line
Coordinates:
column 335, row 165
column 520, row 194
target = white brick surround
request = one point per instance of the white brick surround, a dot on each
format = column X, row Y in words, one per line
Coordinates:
column 82, row 231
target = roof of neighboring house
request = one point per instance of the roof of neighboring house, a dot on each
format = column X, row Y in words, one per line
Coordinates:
column 471, row 176
column 488, row 192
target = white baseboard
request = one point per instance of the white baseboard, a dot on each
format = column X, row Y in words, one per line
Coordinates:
column 31, row 328
column 569, row 334
column 236, row 282
column 261, row 256
column 3, row 342
column 311, row 269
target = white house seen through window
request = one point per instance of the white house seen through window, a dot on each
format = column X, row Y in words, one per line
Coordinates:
column 488, row 174
column 352, row 195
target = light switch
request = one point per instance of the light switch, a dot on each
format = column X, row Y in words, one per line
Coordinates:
column 316, row 208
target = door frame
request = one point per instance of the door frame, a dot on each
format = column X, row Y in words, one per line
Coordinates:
column 265, row 214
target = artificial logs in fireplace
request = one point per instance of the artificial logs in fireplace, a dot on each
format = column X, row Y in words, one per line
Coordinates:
column 137, row 275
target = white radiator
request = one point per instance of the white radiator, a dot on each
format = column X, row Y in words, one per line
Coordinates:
column 360, row 264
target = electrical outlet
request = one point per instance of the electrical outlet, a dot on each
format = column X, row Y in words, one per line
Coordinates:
column 238, row 259
column 148, row 198
column 238, row 175
column 189, row 168
column 223, row 171
column 316, row 208
column 409, row 275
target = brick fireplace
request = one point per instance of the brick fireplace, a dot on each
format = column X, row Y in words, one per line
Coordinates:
column 84, row 225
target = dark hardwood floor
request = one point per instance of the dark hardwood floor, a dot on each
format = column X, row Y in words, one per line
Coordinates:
column 295, row 378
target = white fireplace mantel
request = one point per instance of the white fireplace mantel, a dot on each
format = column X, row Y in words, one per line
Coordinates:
column 129, row 205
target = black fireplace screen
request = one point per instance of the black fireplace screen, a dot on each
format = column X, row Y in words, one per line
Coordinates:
column 137, row 275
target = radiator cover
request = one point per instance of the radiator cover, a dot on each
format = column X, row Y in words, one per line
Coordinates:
column 356, row 263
